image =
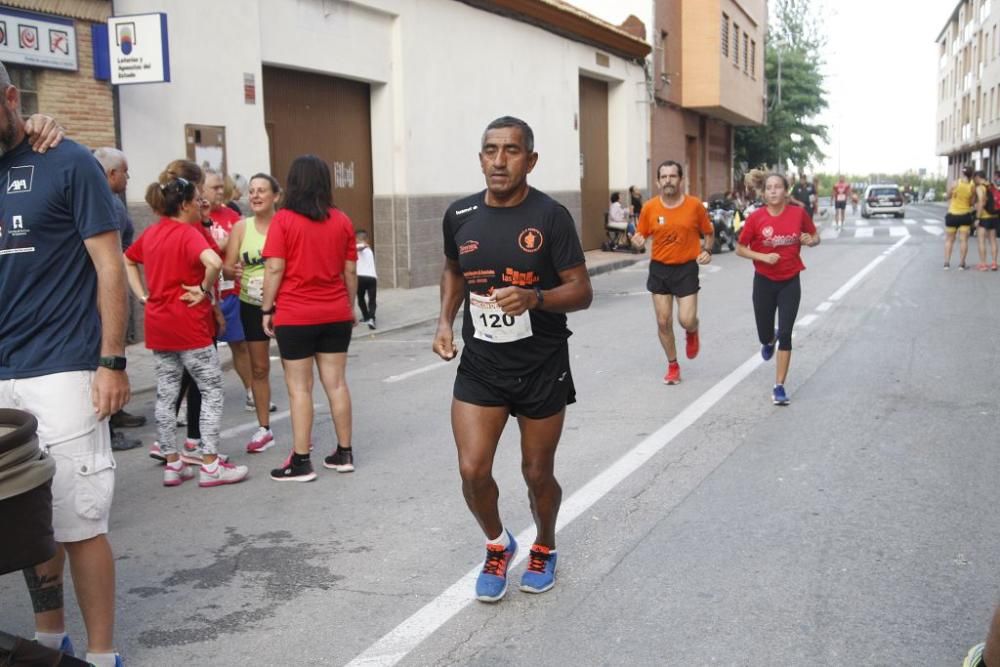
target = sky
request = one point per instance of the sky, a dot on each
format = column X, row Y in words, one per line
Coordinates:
column 880, row 76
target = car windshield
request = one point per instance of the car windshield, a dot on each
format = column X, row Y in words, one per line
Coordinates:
column 884, row 192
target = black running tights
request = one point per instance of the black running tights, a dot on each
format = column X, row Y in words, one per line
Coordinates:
column 774, row 296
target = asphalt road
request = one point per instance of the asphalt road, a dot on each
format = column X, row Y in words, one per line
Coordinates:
column 850, row 528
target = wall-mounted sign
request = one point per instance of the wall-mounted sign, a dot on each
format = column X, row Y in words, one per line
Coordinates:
column 249, row 89
column 138, row 48
column 38, row 40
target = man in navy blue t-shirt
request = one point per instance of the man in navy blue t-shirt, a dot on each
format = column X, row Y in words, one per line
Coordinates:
column 62, row 330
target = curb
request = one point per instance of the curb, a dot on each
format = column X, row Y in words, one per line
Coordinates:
column 624, row 262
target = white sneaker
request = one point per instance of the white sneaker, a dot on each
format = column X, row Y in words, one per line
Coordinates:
column 175, row 474
column 182, row 412
column 220, row 473
column 193, row 455
column 250, row 406
column 261, row 441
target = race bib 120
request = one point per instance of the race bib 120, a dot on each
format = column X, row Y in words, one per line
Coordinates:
column 495, row 326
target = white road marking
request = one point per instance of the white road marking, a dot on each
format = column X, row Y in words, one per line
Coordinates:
column 398, row 642
column 909, row 221
column 932, row 221
column 864, row 233
column 249, row 427
column 936, row 231
column 823, row 307
column 828, row 234
column 860, row 223
column 417, row 371
column 898, row 231
column 806, row 320
column 857, row 277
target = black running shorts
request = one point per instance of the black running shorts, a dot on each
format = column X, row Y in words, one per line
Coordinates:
column 542, row 394
column 989, row 223
column 253, row 325
column 677, row 279
column 301, row 341
column 955, row 221
column 840, row 205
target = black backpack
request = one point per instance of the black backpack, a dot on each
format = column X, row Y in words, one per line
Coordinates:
column 990, row 205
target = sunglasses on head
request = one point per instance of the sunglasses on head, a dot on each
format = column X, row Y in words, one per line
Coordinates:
column 180, row 186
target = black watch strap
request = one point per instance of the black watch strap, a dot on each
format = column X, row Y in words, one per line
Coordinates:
column 540, row 297
column 114, row 363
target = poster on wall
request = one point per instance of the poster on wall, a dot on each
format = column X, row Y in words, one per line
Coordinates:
column 138, row 48
column 38, row 40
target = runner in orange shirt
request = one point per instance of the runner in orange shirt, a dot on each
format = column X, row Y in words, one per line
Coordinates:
column 676, row 222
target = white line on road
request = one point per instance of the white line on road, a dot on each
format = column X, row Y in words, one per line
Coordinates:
column 864, row 233
column 857, row 277
column 909, row 221
column 860, row 223
column 252, row 426
column 398, row 642
column 936, row 231
column 823, row 307
column 932, row 221
column 806, row 320
column 828, row 234
column 417, row 371
column 898, row 231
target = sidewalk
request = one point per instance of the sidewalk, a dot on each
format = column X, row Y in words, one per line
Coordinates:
column 397, row 309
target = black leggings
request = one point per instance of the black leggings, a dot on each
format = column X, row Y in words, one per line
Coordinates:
column 367, row 287
column 776, row 295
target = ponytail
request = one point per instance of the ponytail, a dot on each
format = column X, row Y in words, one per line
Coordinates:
column 175, row 186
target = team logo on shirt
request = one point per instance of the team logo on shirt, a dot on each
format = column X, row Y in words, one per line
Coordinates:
column 19, row 179
column 520, row 278
column 16, row 227
column 767, row 232
column 530, row 240
column 467, row 247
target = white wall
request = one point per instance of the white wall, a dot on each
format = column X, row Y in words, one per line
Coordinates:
column 211, row 45
column 439, row 72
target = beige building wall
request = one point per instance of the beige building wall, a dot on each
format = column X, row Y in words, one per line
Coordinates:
column 967, row 128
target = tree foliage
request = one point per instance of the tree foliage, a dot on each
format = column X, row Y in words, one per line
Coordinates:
column 792, row 67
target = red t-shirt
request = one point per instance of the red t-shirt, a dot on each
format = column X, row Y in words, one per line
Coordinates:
column 170, row 252
column 223, row 219
column 312, row 289
column 766, row 233
column 840, row 191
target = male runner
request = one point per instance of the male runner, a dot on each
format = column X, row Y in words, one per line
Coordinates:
column 675, row 222
column 960, row 217
column 841, row 193
column 62, row 345
column 804, row 194
column 513, row 256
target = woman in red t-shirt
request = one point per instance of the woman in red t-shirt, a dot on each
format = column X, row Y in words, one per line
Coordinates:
column 181, row 269
column 310, row 281
column 773, row 237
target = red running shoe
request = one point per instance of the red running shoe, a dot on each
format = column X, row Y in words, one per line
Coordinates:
column 673, row 375
column 693, row 345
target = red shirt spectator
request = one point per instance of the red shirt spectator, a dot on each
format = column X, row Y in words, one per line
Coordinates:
column 312, row 289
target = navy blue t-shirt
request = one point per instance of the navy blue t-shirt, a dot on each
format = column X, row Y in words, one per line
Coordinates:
column 50, row 203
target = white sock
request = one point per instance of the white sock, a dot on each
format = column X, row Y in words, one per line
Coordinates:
column 102, row 659
column 503, row 540
column 176, row 465
column 50, row 639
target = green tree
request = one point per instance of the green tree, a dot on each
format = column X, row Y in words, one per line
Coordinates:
column 792, row 68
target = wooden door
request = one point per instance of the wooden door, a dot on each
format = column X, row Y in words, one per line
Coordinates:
column 594, row 188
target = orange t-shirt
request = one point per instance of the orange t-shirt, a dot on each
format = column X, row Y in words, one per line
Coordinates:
column 676, row 232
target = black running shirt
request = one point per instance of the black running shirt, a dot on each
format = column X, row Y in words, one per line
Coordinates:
column 526, row 246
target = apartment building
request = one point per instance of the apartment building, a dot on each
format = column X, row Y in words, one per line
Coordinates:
column 968, row 86
column 708, row 78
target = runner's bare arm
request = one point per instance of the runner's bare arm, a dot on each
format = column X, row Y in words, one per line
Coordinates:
column 110, row 390
column 575, row 293
column 351, row 281
column 135, row 280
column 233, row 251
column 452, row 294
column 769, row 258
column 274, row 271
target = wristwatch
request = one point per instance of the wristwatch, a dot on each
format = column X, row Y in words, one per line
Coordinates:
column 540, row 297
column 269, row 311
column 114, row 363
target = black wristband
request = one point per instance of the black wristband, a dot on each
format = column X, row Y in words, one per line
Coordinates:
column 270, row 311
column 539, row 297
column 202, row 288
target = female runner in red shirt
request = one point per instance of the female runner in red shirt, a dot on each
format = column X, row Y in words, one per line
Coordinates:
column 773, row 237
column 310, row 281
column 181, row 269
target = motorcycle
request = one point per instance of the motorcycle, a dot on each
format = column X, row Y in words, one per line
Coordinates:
column 722, row 212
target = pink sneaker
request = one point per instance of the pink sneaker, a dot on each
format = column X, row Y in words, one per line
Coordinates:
column 193, row 455
column 261, row 441
column 175, row 474
column 156, row 454
column 220, row 473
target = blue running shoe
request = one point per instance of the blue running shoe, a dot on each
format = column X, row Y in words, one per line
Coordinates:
column 491, row 585
column 541, row 573
column 67, row 647
column 779, row 396
column 767, row 350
